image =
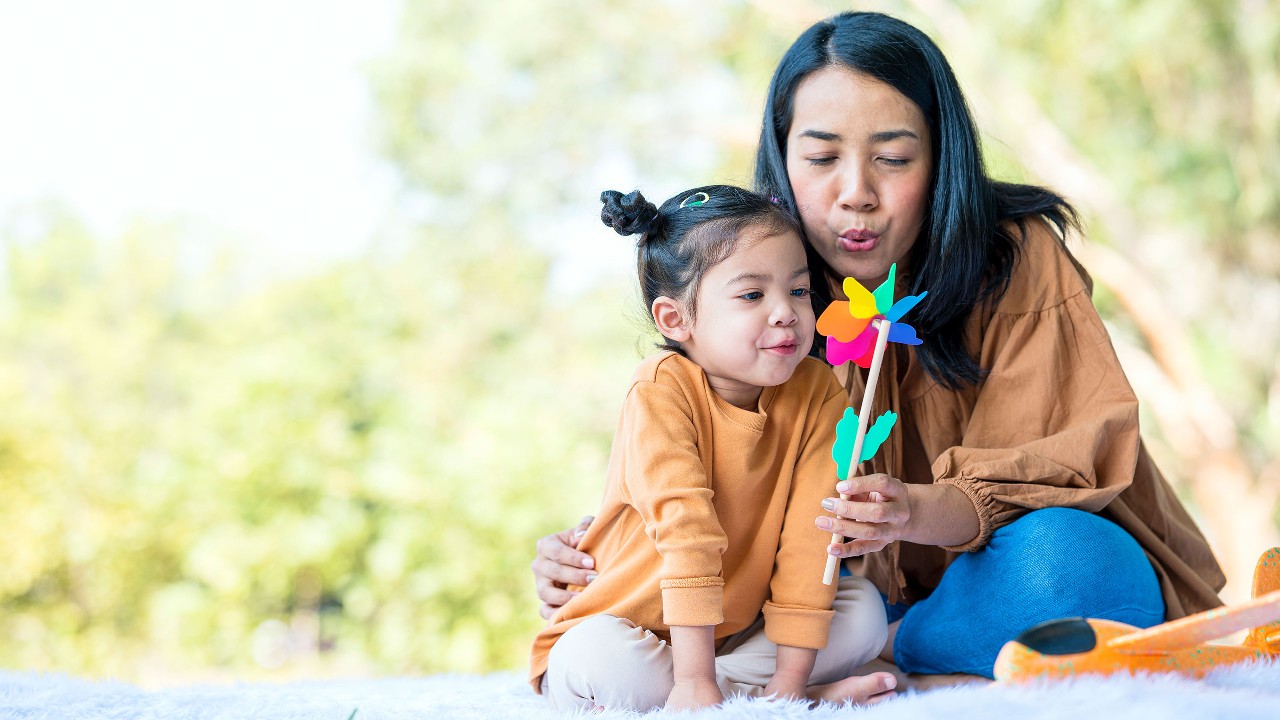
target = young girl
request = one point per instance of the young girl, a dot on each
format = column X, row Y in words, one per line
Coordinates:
column 722, row 451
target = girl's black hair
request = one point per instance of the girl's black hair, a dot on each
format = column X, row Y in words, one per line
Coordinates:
column 687, row 236
column 965, row 254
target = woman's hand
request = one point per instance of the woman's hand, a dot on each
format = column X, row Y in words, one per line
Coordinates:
column 877, row 513
column 882, row 509
column 558, row 564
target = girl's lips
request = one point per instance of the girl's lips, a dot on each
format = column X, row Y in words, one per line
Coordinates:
column 858, row 241
column 783, row 349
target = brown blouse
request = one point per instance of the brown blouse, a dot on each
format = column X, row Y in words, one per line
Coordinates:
column 1055, row 424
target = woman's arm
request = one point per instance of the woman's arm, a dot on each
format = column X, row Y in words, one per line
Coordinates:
column 884, row 509
column 939, row 515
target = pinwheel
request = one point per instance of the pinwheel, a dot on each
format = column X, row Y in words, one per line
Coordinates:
column 859, row 329
column 851, row 326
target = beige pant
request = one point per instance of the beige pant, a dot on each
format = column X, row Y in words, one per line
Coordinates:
column 608, row 661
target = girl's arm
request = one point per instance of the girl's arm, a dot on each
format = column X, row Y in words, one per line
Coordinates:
column 791, row 676
column 669, row 488
column 667, row 484
column 693, row 661
column 798, row 612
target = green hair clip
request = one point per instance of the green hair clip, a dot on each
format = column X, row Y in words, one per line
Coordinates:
column 696, row 199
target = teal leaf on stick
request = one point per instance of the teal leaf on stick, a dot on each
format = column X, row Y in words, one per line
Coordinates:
column 847, row 433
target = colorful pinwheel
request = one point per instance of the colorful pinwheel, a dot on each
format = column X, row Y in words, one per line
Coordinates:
column 859, row 329
column 851, row 327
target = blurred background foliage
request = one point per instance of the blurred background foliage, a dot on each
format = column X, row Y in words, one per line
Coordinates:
column 202, row 476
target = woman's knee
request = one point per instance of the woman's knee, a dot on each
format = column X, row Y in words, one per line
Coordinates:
column 1048, row 564
column 1071, row 541
column 1051, row 526
column 1080, row 558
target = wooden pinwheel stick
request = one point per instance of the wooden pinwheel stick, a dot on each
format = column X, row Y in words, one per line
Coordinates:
column 864, row 417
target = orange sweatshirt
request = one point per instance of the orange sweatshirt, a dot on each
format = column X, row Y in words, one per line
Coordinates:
column 708, row 512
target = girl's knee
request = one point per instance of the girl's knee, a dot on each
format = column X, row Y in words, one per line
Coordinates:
column 596, row 642
column 600, row 628
column 859, row 628
column 608, row 661
column 865, row 607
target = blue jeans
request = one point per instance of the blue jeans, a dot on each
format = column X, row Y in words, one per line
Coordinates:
column 1048, row 564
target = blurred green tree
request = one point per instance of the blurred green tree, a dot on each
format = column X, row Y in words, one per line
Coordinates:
column 348, row 471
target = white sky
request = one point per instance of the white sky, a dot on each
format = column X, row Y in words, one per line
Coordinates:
column 253, row 116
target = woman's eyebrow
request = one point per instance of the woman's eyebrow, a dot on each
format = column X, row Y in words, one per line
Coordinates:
column 887, row 135
column 876, row 137
column 820, row 135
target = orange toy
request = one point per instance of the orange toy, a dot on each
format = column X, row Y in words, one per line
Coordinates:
column 1062, row 648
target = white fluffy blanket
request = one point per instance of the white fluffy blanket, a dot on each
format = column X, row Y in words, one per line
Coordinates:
column 1249, row 691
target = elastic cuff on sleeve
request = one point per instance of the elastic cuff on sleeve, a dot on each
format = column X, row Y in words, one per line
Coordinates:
column 693, row 601
column 986, row 507
column 803, row 627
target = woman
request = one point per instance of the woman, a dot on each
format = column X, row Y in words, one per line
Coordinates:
column 1016, row 488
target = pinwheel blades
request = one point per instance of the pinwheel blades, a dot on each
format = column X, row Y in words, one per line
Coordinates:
column 861, row 349
column 903, row 306
column 851, row 327
column 884, row 293
column 840, row 352
column 903, row 333
column 839, row 323
column 862, row 304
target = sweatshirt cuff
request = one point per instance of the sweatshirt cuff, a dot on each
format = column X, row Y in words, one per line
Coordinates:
column 986, row 507
column 693, row 601
column 797, row 626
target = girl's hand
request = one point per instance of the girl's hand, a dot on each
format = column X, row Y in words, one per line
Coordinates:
column 784, row 689
column 558, row 564
column 791, row 673
column 877, row 513
column 694, row 694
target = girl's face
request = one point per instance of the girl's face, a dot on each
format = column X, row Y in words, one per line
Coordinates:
column 860, row 164
column 754, row 321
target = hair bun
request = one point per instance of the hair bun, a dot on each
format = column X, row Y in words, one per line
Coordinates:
column 628, row 214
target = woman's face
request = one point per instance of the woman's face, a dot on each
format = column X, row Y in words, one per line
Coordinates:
column 860, row 164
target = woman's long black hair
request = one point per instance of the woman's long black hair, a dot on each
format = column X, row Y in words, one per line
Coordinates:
column 965, row 254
